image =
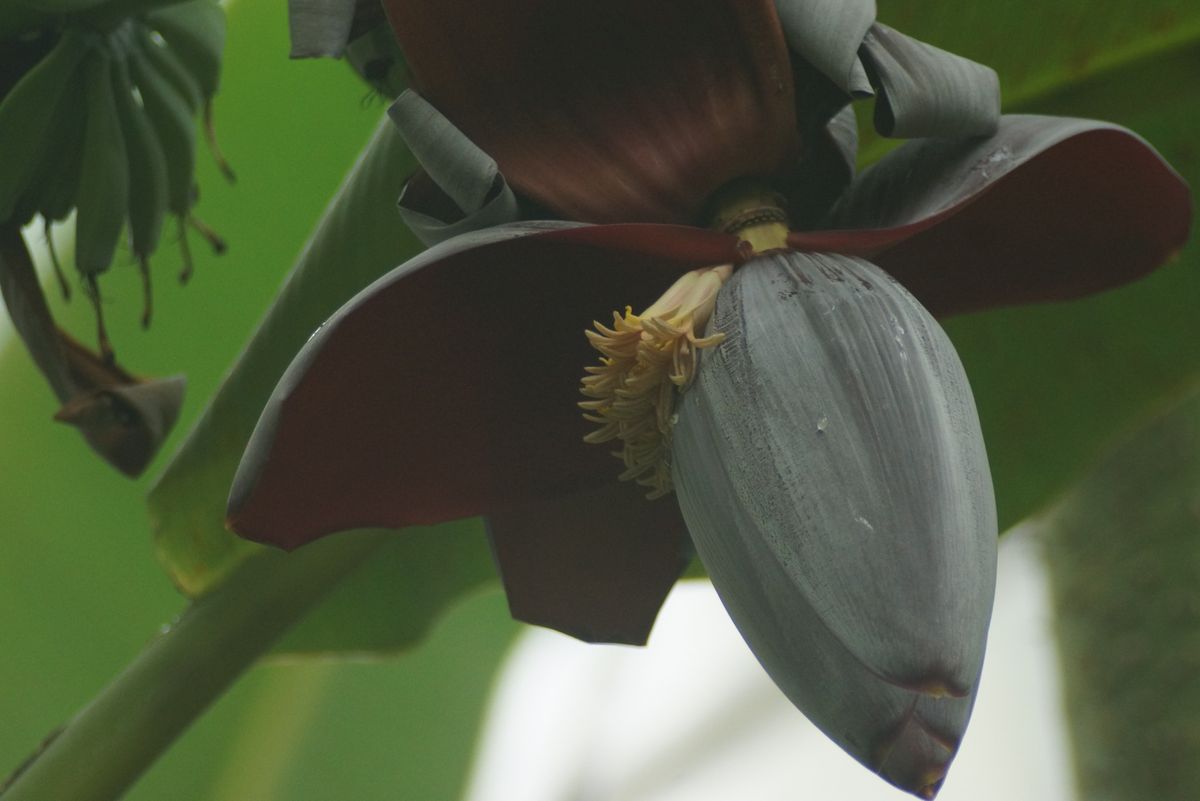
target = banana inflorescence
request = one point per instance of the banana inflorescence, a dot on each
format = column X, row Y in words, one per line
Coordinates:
column 105, row 124
column 102, row 121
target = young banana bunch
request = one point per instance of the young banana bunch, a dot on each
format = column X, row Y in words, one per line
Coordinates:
column 105, row 124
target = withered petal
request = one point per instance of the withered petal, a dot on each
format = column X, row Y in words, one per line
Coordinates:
column 682, row 97
column 828, row 34
column 1047, row 209
column 124, row 418
column 448, row 388
column 319, row 27
column 127, row 423
column 596, row 565
column 926, row 91
column 465, row 190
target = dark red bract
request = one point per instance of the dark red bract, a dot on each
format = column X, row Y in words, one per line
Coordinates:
column 611, row 112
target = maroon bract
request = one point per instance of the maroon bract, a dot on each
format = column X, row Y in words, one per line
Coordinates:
column 623, row 112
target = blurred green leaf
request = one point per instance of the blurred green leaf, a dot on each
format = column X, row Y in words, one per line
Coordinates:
column 399, row 594
column 1123, row 550
column 1041, row 48
column 1054, row 383
column 392, row 602
column 80, row 592
column 383, row 729
column 360, row 237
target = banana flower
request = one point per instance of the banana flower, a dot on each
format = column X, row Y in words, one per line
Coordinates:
column 786, row 397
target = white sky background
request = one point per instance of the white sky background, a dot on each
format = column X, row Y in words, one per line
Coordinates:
column 693, row 717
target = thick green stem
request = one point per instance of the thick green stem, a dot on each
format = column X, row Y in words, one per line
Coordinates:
column 104, row 749
column 1123, row 550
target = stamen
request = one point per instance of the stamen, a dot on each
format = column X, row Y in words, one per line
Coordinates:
column 647, row 359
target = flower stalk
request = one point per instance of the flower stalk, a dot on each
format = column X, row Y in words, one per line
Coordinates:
column 754, row 213
column 116, row 737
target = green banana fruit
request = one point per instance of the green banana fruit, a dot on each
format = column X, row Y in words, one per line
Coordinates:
column 185, row 77
column 59, row 173
column 104, row 175
column 61, row 139
column 147, row 180
column 195, row 30
column 166, row 61
column 74, row 134
column 147, row 166
column 26, row 114
column 172, row 121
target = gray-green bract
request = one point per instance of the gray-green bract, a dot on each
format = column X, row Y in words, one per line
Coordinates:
column 832, row 472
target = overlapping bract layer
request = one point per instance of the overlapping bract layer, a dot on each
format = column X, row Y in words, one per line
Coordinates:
column 832, row 473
